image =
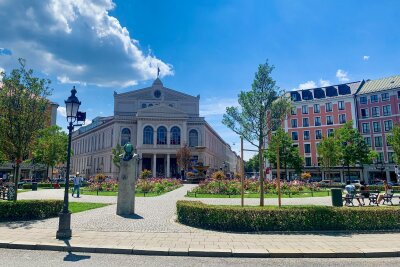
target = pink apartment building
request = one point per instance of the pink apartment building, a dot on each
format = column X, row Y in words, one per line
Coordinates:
column 316, row 113
column 373, row 106
column 377, row 111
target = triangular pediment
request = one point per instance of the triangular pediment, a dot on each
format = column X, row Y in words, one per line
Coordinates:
column 161, row 110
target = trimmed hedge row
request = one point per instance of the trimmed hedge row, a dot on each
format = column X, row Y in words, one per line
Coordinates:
column 29, row 209
column 49, row 185
column 287, row 218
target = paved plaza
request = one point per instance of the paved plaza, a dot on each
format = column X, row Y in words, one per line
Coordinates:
column 153, row 231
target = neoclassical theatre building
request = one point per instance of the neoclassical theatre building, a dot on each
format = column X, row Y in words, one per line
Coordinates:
column 157, row 121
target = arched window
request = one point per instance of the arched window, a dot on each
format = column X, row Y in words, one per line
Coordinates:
column 162, row 135
column 193, row 138
column 148, row 135
column 125, row 136
column 175, row 136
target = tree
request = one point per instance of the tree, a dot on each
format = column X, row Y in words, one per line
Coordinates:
column 289, row 155
column 262, row 109
column 117, row 151
column 252, row 165
column 51, row 147
column 23, row 107
column 183, row 156
column 394, row 141
column 353, row 149
column 329, row 153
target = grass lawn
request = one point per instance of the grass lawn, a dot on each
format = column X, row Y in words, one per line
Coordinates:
column 115, row 193
column 75, row 207
column 254, row 195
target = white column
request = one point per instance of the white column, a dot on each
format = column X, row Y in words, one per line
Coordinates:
column 154, row 165
column 140, row 163
column 387, row 173
column 168, row 165
column 184, row 134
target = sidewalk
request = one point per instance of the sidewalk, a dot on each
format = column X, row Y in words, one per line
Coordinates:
column 207, row 243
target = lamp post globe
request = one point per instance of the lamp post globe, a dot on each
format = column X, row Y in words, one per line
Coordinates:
column 72, row 108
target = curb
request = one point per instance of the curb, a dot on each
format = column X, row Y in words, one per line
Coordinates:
column 195, row 252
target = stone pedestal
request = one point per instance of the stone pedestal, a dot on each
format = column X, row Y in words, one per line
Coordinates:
column 126, row 186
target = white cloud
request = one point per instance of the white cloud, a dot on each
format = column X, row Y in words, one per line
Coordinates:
column 342, row 75
column 87, row 121
column 306, row 85
column 62, row 111
column 324, row 83
column 216, row 106
column 1, row 76
column 76, row 41
column 365, row 58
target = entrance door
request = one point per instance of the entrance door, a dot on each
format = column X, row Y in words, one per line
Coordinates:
column 160, row 168
column 173, row 168
column 146, row 164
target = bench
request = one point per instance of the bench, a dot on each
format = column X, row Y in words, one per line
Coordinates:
column 348, row 199
column 373, row 199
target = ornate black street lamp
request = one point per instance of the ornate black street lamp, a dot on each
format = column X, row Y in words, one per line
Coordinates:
column 73, row 116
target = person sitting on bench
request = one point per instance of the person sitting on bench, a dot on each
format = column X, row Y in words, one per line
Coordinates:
column 388, row 191
column 351, row 191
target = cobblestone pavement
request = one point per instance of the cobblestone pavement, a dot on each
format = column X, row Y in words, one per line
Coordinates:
column 153, row 214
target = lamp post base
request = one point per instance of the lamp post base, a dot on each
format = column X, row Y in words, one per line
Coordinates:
column 64, row 226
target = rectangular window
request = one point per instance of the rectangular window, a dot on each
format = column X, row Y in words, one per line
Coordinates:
column 380, row 158
column 378, row 141
column 342, row 118
column 375, row 112
column 306, row 135
column 374, row 98
column 363, row 100
column 330, row 132
column 328, row 107
column 316, row 108
column 295, row 136
column 304, row 109
column 293, row 111
column 318, row 134
column 364, row 113
column 376, row 125
column 398, row 94
column 317, row 121
column 341, row 105
column 387, row 111
column 305, row 122
column 367, row 140
column 391, row 157
column 294, row 123
column 365, row 128
column 307, row 161
column 385, row 96
column 329, row 120
column 307, row 148
column 388, row 125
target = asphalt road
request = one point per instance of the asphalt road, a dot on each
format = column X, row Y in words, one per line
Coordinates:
column 31, row 258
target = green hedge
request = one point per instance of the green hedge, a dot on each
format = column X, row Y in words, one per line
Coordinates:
column 48, row 185
column 29, row 209
column 287, row 218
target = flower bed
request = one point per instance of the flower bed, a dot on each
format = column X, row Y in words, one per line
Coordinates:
column 151, row 185
column 288, row 218
column 252, row 186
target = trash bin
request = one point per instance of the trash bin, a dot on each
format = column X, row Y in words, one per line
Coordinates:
column 34, row 186
column 336, row 194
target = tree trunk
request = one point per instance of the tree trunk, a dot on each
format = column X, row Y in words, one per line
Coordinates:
column 52, row 172
column 16, row 181
column 261, row 168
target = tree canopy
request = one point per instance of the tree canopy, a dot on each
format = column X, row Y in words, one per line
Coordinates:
column 329, row 152
column 23, row 108
column 394, row 141
column 289, row 155
column 51, row 146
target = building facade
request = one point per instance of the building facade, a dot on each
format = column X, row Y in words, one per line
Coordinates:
column 157, row 121
column 378, row 106
column 373, row 107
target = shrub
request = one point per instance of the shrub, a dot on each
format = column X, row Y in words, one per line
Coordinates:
column 145, row 174
column 288, row 218
column 29, row 209
column 305, row 175
column 219, row 175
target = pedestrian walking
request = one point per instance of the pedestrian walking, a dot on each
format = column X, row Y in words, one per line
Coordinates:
column 77, row 185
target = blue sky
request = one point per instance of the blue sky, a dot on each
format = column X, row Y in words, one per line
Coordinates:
column 211, row 48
